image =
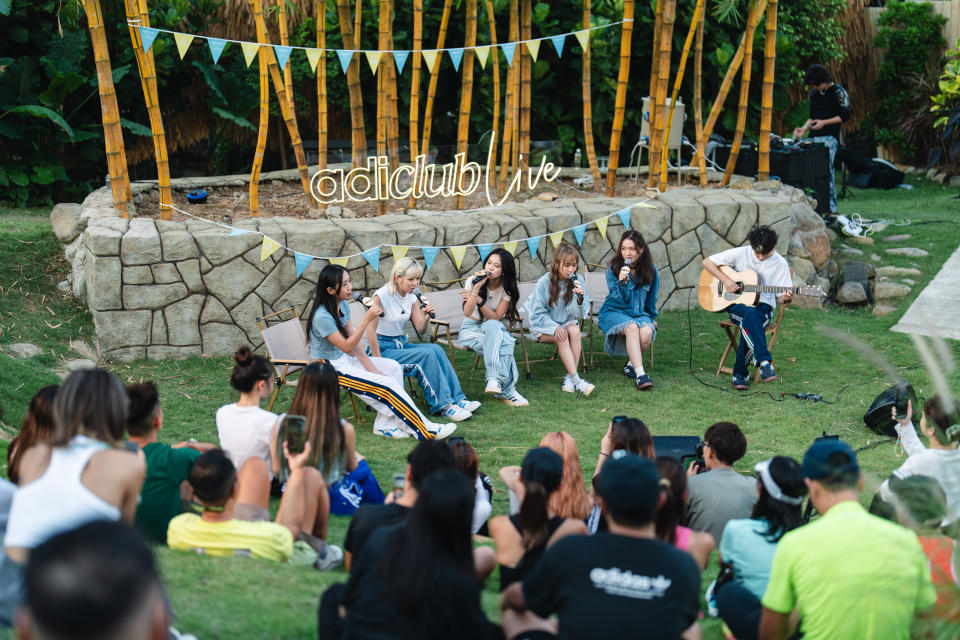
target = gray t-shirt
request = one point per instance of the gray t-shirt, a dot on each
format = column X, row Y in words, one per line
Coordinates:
column 323, row 326
column 716, row 497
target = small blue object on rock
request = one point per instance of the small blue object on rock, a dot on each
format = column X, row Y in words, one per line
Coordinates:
column 197, row 196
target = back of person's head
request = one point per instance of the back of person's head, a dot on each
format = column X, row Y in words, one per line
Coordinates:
column 673, row 486
column 429, row 456
column 629, row 489
column 249, row 370
column 762, row 239
column 945, row 426
column 541, row 474
column 465, row 457
column 832, row 463
column 143, row 408
column 727, row 441
column 212, row 478
column 318, row 399
column 631, row 434
column 571, row 500
column 38, row 426
column 816, row 74
column 91, row 402
column 95, row 582
column 920, row 502
column 781, row 493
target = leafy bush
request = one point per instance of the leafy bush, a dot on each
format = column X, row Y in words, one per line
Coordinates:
column 946, row 111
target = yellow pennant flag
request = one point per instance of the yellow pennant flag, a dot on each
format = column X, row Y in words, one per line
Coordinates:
column 584, row 38
column 183, row 41
column 482, row 54
column 458, row 253
column 430, row 57
column 313, row 56
column 533, row 48
column 555, row 238
column 373, row 57
column 645, row 205
column 602, row 226
column 340, row 262
column 268, row 248
column 511, row 247
column 399, row 252
column 249, row 51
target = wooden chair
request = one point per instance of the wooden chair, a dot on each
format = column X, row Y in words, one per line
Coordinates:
column 596, row 279
column 732, row 331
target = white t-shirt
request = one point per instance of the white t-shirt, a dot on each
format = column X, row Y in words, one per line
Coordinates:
column 245, row 432
column 774, row 271
column 396, row 311
column 494, row 298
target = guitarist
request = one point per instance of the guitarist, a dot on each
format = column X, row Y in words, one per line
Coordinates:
column 773, row 270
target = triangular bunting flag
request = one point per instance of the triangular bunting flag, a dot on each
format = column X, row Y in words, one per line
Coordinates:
column 234, row 231
column 302, row 261
column 533, row 48
column 340, row 262
column 313, row 57
column 344, row 56
column 482, row 54
column 183, row 41
column 624, row 217
column 400, row 57
column 558, row 43
column 458, row 253
column 372, row 256
column 430, row 57
column 508, row 49
column 602, row 226
column 578, row 232
column 555, row 238
column 429, row 255
column 511, row 247
column 532, row 244
column 250, row 51
column 283, row 54
column 373, row 58
column 584, row 38
column 399, row 252
column 268, row 248
column 456, row 55
column 645, row 205
column 484, row 250
column 216, row 48
column 147, row 36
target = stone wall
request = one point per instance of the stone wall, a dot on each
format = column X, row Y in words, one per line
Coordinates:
column 163, row 289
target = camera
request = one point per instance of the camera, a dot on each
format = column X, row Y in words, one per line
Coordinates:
column 699, row 461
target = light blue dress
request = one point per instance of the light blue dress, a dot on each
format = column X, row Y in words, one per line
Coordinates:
column 495, row 343
column 544, row 319
column 627, row 303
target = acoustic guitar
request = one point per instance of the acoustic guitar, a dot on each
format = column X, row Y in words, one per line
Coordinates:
column 713, row 296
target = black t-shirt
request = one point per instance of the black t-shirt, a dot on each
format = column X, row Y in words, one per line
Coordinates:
column 368, row 519
column 612, row 586
column 828, row 104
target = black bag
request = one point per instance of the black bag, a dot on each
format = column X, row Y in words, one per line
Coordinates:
column 885, row 175
column 878, row 417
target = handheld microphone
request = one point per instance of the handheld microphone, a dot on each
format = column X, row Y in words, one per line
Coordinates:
column 625, row 269
column 477, row 279
column 423, row 304
column 573, row 283
column 366, row 302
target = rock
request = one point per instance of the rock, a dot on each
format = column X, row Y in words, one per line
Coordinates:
column 909, row 281
column 66, row 286
column 682, row 250
column 177, row 245
column 546, row 196
column 163, row 352
column 812, row 245
column 954, row 181
column 23, row 350
column 102, row 241
column 231, row 282
column 768, row 185
column 850, row 251
column 897, row 272
column 878, row 226
column 721, row 210
column 348, row 213
column 688, row 214
column 221, row 339
column 710, row 242
column 858, row 271
column 190, row 274
column 803, row 270
column 865, row 240
column 158, row 332
column 831, row 234
column 165, row 273
column 851, row 293
column 883, row 309
column 887, row 290
column 79, row 363
column 875, row 257
column 141, row 243
column 155, row 296
column 805, row 218
column 830, row 270
column 316, row 213
column 214, row 311
column 67, row 221
column 911, row 252
column 182, row 325
column 898, row 238
column 741, row 183
column 940, row 178
column 102, row 275
column 119, row 329
column 140, row 274
column 219, row 247
column 930, row 173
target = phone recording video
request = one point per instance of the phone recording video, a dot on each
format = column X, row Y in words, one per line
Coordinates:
column 293, row 431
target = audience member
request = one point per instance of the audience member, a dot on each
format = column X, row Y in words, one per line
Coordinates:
column 165, row 486
column 719, row 494
column 670, row 528
column 96, row 581
column 623, row 434
column 11, row 574
column 571, row 500
column 37, row 427
column 747, row 545
column 467, row 462
column 620, row 584
column 848, row 574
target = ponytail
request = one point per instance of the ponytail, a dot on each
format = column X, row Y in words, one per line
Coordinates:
column 534, row 522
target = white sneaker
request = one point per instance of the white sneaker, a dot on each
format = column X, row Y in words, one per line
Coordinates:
column 331, row 558
column 568, row 385
column 493, row 386
column 391, row 432
column 515, row 400
column 469, row 405
column 456, row 413
column 583, row 386
column 443, row 430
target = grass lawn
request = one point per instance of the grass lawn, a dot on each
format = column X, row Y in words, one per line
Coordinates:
column 242, row 598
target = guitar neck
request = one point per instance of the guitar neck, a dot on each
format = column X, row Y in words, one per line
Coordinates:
column 759, row 288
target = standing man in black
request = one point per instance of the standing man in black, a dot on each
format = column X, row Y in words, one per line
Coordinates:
column 829, row 109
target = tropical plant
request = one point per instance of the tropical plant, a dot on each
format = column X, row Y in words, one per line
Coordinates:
column 946, row 113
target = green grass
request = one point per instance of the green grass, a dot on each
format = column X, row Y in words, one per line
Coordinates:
column 241, row 598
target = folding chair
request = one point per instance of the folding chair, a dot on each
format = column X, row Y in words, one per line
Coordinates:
column 597, row 288
column 526, row 289
column 732, row 331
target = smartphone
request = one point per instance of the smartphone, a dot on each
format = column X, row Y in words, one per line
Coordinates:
column 398, row 481
column 902, row 399
column 294, row 430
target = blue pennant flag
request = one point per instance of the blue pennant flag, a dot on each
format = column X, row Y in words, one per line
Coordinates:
column 624, row 217
column 302, row 261
column 147, row 36
column 429, row 255
column 216, row 47
column 283, row 54
column 578, row 233
column 484, row 250
column 508, row 49
column 400, row 57
column 238, row 232
column 373, row 257
column 456, row 55
column 345, row 56
column 532, row 244
column 558, row 43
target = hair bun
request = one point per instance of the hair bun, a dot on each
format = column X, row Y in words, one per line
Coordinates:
column 243, row 356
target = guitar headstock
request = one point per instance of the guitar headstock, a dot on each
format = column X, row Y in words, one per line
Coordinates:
column 813, row 292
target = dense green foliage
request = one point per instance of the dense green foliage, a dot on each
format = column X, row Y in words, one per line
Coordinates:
column 946, row 110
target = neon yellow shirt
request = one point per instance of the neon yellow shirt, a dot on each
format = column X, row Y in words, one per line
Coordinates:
column 269, row 540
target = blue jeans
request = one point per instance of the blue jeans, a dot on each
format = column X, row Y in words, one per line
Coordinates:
column 740, row 609
column 753, row 322
column 492, row 340
column 429, row 365
column 831, row 144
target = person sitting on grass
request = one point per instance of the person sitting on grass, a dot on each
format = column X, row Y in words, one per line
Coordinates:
column 37, row 427
column 623, row 434
column 165, row 487
column 670, row 528
column 468, row 463
column 571, row 500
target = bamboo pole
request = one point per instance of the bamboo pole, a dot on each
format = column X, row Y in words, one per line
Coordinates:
column 766, row 105
column 416, row 61
column 393, row 117
column 322, row 88
column 654, row 81
column 495, row 127
column 698, row 98
column 694, row 26
column 620, row 105
column 285, row 41
column 658, row 119
column 466, row 90
column 358, row 132
column 588, row 143
column 137, row 11
column 511, row 110
column 744, row 93
column 109, row 110
column 262, row 128
column 358, row 24
column 382, row 96
column 526, row 73
column 432, row 88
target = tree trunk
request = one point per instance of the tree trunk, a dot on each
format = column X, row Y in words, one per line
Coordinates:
column 659, row 114
column 432, row 89
column 285, row 41
column 383, row 96
column 511, row 114
column 466, row 90
column 526, row 73
column 262, row 129
column 766, row 105
column 322, row 87
column 654, row 83
column 589, row 146
column 620, row 105
column 416, row 61
column 698, row 98
column 744, row 93
column 358, row 132
column 393, row 118
column 495, row 127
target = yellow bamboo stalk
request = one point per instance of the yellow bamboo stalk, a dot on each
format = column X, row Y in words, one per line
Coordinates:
column 766, row 105
column 526, row 88
column 416, row 61
column 285, row 41
column 137, row 10
column 495, row 127
column 322, row 87
column 658, row 119
column 654, row 81
column 511, row 109
column 620, row 104
column 698, row 98
column 393, row 119
column 588, row 143
column 382, row 95
column 358, row 132
column 744, row 93
column 262, row 128
column 466, row 89
column 358, row 24
column 109, row 110
column 432, row 88
column 694, row 26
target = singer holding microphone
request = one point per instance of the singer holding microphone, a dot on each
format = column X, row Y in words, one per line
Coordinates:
column 427, row 362
column 628, row 315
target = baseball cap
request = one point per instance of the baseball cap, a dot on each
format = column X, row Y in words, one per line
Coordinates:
column 543, row 466
column 630, row 484
column 817, row 460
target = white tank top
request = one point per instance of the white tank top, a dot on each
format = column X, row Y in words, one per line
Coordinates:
column 396, row 311
column 57, row 501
